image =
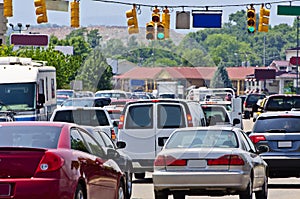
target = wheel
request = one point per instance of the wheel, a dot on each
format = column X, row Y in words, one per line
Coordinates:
column 263, row 194
column 139, row 175
column 79, row 194
column 178, row 196
column 129, row 185
column 121, row 191
column 247, row 194
column 160, row 195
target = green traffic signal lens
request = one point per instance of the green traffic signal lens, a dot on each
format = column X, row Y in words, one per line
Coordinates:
column 160, row 35
column 251, row 29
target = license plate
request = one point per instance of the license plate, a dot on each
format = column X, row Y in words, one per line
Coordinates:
column 285, row 144
column 197, row 163
column 5, row 189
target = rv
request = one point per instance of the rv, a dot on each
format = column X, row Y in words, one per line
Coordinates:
column 28, row 88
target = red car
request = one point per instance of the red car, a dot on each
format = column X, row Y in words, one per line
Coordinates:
column 52, row 160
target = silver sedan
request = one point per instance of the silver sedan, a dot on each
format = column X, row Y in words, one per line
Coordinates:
column 212, row 161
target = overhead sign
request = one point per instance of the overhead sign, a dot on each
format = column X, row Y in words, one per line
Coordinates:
column 207, row 19
column 29, row 39
column 262, row 74
column 57, row 5
column 182, row 20
column 295, row 60
column 288, row 10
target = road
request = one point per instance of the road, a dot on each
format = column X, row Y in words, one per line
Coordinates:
column 278, row 188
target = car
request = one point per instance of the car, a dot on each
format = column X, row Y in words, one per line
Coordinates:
column 143, row 122
column 216, row 114
column 60, row 99
column 87, row 102
column 251, row 100
column 86, row 116
column 122, row 159
column 117, row 94
column 56, row 160
column 67, row 92
column 279, row 133
column 213, row 161
column 281, row 102
column 258, row 108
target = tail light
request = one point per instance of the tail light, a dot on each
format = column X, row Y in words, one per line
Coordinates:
column 226, row 160
column 257, row 138
column 121, row 122
column 189, row 120
column 50, row 162
column 245, row 104
column 113, row 134
column 162, row 160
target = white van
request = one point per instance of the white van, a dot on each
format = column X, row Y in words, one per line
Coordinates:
column 144, row 123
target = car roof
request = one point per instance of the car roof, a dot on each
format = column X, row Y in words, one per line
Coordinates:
column 216, row 127
column 280, row 113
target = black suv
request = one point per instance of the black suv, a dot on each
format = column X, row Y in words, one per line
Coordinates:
column 251, row 101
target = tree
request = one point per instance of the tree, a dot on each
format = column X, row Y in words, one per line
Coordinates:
column 221, row 79
column 93, row 38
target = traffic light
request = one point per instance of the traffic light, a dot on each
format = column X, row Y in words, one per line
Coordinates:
column 251, row 20
column 7, row 8
column 75, row 14
column 150, row 30
column 156, row 15
column 263, row 19
column 132, row 21
column 166, row 21
column 41, row 11
column 160, row 31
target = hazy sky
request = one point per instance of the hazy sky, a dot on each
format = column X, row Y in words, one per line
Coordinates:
column 99, row 13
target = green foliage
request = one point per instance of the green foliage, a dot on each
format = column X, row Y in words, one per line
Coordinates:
column 221, row 79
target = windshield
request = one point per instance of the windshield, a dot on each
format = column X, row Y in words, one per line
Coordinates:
column 279, row 124
column 79, row 102
column 17, row 96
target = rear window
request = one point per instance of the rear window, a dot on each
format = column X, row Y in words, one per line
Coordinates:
column 83, row 117
column 29, row 136
column 217, row 112
column 252, row 99
column 170, row 116
column 277, row 124
column 140, row 117
column 282, row 103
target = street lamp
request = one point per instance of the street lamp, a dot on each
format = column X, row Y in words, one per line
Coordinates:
column 19, row 25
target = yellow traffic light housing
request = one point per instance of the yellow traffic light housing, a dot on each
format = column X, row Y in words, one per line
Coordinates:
column 74, row 14
column 41, row 11
column 150, row 30
column 7, row 8
column 251, row 21
column 263, row 19
column 132, row 21
column 160, row 31
column 156, row 15
column 166, row 21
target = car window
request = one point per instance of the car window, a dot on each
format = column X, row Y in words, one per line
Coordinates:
column 170, row 116
column 282, row 103
column 77, row 142
column 140, row 116
column 274, row 124
column 247, row 143
column 30, row 136
column 94, row 146
column 107, row 140
column 98, row 138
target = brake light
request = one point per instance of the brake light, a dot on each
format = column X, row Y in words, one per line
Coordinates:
column 113, row 134
column 257, row 138
column 155, row 100
column 226, row 160
column 50, row 162
column 190, row 120
column 245, row 104
column 121, row 122
column 162, row 160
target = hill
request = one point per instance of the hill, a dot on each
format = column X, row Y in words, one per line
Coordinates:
column 107, row 32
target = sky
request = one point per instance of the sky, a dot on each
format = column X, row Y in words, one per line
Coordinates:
column 93, row 12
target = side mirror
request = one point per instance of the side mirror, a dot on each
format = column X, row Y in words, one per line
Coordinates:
column 162, row 141
column 121, row 144
column 236, row 121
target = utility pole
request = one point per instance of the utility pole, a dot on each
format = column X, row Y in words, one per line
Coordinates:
column 3, row 25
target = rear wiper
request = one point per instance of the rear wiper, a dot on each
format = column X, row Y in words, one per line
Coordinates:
column 276, row 131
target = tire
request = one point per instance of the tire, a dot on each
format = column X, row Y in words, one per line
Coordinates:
column 121, row 191
column 79, row 194
column 139, row 175
column 248, row 193
column 129, row 185
column 178, row 196
column 263, row 194
column 160, row 195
